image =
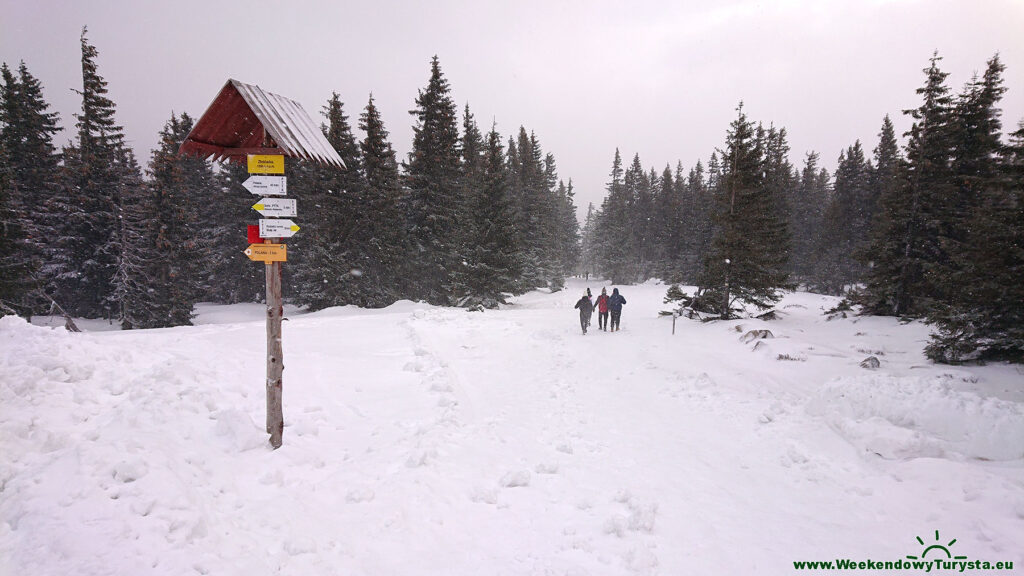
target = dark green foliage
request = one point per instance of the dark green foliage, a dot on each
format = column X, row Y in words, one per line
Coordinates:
column 588, row 262
column 349, row 238
column 845, row 227
column 97, row 236
column 222, row 224
column 433, row 202
column 981, row 315
column 808, row 199
column 616, row 259
column 984, row 317
column 99, row 177
column 29, row 180
column 167, row 256
column 906, row 254
column 494, row 260
column 750, row 248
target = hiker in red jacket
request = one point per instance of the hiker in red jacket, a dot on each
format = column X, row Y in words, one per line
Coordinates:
column 602, row 310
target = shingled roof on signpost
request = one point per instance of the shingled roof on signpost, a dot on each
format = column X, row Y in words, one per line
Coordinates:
column 245, row 119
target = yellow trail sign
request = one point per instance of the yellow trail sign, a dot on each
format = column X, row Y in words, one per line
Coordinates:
column 265, row 164
column 267, row 252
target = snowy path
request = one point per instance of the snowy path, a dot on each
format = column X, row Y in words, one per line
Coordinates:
column 432, row 441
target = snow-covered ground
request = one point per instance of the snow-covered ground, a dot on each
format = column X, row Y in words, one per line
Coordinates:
column 432, row 441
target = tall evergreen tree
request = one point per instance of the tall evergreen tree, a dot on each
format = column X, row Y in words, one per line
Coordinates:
column 222, row 223
column 751, row 244
column 496, row 262
column 845, row 225
column 808, row 200
column 333, row 248
column 588, row 248
column 984, row 317
column 432, row 176
column 99, row 175
column 613, row 228
column 145, row 294
column 166, row 257
column 981, row 313
column 385, row 264
column 29, row 180
column 906, row 254
column 885, row 175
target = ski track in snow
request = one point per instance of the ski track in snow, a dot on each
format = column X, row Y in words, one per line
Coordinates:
column 421, row 440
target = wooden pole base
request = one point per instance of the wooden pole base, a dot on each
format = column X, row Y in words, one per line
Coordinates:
column 275, row 355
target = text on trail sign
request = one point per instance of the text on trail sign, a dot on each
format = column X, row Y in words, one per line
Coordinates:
column 277, row 228
column 279, row 207
column 267, row 252
column 261, row 185
column 266, row 164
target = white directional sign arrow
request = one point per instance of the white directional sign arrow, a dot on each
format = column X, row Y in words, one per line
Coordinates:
column 277, row 228
column 267, row 185
column 277, row 207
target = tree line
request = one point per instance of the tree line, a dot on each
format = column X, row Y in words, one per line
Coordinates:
column 465, row 220
column 932, row 230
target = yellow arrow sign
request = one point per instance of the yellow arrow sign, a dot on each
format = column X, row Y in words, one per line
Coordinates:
column 265, row 164
column 267, row 252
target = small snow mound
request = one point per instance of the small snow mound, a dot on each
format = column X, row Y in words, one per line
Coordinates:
column 913, row 417
column 515, row 479
column 237, row 432
column 129, row 471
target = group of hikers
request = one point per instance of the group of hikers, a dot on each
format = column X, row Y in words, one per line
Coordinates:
column 606, row 305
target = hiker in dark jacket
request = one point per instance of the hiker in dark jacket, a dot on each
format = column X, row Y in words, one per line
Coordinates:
column 586, row 310
column 602, row 310
column 615, row 307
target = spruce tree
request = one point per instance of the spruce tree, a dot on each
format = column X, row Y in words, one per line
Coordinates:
column 906, row 252
column 845, row 225
column 667, row 212
column 167, row 257
column 588, row 250
column 432, row 177
column 98, row 174
column 984, row 318
column 471, row 178
column 223, row 222
column 336, row 244
column 29, row 180
column 697, row 231
column 981, row 313
column 494, row 253
column 613, row 229
column 751, row 244
column 567, row 230
column 808, row 199
column 386, row 260
column 145, row 293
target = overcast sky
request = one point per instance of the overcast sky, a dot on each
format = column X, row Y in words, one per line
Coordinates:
column 661, row 79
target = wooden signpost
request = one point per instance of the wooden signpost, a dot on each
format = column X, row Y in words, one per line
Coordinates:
column 267, row 252
column 246, row 124
column 267, row 185
column 273, row 254
column 277, row 207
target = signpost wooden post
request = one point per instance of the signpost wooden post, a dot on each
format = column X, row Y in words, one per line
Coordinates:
column 246, row 124
column 273, row 259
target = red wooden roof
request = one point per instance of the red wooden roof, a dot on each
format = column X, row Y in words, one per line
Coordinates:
column 235, row 123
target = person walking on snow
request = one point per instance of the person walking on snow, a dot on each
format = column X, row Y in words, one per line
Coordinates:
column 590, row 320
column 602, row 310
column 586, row 310
column 615, row 307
